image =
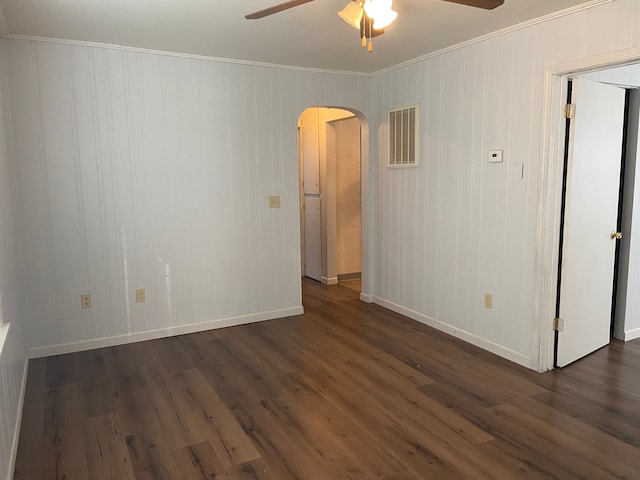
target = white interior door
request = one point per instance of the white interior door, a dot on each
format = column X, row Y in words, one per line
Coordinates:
column 313, row 237
column 591, row 213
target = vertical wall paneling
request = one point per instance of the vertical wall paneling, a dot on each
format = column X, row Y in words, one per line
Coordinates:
column 152, row 171
column 474, row 224
column 139, row 170
column 13, row 354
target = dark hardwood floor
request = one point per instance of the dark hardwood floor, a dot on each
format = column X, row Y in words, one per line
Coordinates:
column 348, row 390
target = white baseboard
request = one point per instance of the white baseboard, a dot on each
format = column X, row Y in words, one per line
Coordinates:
column 161, row 333
column 367, row 298
column 458, row 333
column 632, row 334
column 329, row 280
column 16, row 428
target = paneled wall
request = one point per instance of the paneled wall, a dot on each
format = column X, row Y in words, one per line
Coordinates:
column 139, row 170
column 12, row 343
column 457, row 226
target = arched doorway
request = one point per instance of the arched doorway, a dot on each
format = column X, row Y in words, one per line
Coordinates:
column 332, row 145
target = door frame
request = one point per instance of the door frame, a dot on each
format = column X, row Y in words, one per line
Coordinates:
column 550, row 195
column 367, row 204
column 303, row 246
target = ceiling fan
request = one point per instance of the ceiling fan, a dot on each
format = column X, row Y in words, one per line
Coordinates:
column 486, row 4
column 369, row 16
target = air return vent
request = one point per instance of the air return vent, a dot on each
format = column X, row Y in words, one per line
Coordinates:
column 403, row 131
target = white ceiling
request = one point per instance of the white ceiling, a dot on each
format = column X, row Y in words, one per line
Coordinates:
column 310, row 35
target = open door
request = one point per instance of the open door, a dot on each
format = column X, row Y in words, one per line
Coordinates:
column 590, row 219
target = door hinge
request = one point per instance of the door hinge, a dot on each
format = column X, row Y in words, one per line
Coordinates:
column 569, row 110
column 558, row 324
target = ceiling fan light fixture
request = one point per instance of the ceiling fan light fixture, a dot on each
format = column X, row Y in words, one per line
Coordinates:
column 373, row 7
column 384, row 19
column 370, row 17
column 370, row 7
column 352, row 14
column 381, row 12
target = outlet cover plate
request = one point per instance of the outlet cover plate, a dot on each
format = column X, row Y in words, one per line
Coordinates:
column 274, row 201
column 85, row 301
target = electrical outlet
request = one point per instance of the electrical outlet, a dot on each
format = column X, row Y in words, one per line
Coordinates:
column 85, row 301
column 140, row 296
column 488, row 300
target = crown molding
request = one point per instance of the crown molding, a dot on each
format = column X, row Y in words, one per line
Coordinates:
column 109, row 46
column 568, row 11
column 497, row 33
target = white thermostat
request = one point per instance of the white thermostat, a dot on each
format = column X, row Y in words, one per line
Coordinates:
column 495, row 156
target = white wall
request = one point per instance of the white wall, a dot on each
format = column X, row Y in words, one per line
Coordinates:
column 627, row 325
column 143, row 170
column 147, row 171
column 626, row 76
column 12, row 343
column 456, row 226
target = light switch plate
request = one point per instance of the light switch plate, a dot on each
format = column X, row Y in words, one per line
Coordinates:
column 140, row 295
column 488, row 300
column 274, row 201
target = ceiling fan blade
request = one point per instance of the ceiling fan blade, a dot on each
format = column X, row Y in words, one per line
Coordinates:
column 275, row 9
column 486, row 4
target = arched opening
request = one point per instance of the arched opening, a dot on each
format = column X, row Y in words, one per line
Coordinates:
column 334, row 206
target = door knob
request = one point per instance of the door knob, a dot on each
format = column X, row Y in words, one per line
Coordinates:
column 616, row 235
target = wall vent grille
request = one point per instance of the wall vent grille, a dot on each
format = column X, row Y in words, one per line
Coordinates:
column 403, row 144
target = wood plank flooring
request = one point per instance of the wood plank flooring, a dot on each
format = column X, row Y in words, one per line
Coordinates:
column 346, row 391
